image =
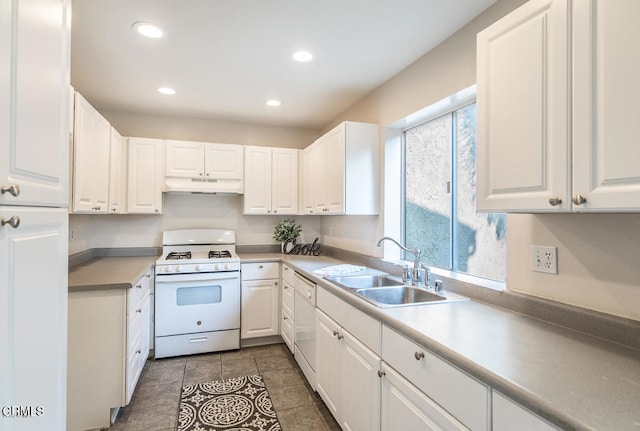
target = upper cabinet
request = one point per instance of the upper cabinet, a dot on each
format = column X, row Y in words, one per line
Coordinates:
column 341, row 171
column 556, row 108
column 201, row 164
column 34, row 85
column 271, row 180
column 144, row 192
column 118, row 174
column 91, row 155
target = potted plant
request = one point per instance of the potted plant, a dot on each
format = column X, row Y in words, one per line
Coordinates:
column 286, row 230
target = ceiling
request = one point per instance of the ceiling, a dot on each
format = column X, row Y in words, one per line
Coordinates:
column 226, row 58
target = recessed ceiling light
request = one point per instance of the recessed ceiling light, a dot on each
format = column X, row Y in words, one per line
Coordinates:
column 302, row 56
column 148, row 30
column 166, row 90
column 273, row 102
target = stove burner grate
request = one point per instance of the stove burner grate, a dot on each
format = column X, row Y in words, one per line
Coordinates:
column 219, row 254
column 179, row 255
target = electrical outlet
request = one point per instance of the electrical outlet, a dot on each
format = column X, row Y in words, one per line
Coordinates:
column 72, row 233
column 544, row 259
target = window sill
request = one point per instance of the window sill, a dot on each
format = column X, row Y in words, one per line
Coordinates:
column 468, row 279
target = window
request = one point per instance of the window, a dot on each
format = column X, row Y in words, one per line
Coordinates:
column 439, row 205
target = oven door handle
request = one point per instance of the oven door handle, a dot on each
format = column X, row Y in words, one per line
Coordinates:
column 161, row 278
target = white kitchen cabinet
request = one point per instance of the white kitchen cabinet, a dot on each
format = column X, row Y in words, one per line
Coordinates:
column 347, row 376
column 271, row 180
column 118, row 174
column 462, row 396
column 33, row 300
column 556, row 108
column 108, row 346
column 404, row 407
column 188, row 159
column 260, row 299
column 34, row 177
column 145, row 175
column 34, row 85
column 508, row 415
column 91, row 155
column 308, row 167
column 344, row 177
column 287, row 295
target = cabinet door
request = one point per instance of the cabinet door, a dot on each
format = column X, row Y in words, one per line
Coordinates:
column 224, row 161
column 309, row 171
column 257, row 180
column 34, row 86
column 606, row 155
column 118, row 174
column 33, row 300
column 404, row 407
column 284, row 179
column 320, row 185
column 91, row 155
column 144, row 193
column 523, row 137
column 184, row 159
column 360, row 409
column 334, row 163
column 260, row 306
column 328, row 362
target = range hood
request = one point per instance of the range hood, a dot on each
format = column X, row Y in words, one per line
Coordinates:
column 197, row 185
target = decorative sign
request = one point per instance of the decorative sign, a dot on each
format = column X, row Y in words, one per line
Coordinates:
column 290, row 247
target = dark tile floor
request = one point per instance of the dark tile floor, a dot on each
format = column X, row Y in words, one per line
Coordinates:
column 155, row 402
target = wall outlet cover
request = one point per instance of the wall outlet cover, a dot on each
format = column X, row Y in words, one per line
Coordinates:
column 544, row 259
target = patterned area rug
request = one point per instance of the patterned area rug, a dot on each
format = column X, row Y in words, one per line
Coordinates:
column 241, row 403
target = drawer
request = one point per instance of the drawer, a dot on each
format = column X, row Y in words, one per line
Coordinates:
column 138, row 325
column 461, row 395
column 140, row 288
column 135, row 363
column 202, row 342
column 288, row 295
column 287, row 330
column 287, row 274
column 260, row 271
column 362, row 326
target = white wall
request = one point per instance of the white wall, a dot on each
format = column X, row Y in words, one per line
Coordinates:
column 597, row 254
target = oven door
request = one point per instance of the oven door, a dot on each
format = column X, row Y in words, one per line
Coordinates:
column 191, row 303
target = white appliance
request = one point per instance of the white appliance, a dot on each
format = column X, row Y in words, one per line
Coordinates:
column 305, row 326
column 197, row 297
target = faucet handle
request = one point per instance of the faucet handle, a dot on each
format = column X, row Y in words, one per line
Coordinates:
column 407, row 276
column 424, row 275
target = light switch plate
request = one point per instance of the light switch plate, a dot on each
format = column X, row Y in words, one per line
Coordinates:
column 544, row 259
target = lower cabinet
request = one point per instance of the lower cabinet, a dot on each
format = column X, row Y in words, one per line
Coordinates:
column 347, row 376
column 507, row 416
column 464, row 399
column 108, row 344
column 287, row 324
column 404, row 407
column 260, row 299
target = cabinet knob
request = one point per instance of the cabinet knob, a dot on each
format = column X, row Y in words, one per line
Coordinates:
column 381, row 373
column 335, row 333
column 138, row 351
column 578, row 199
column 419, row 355
column 555, row 201
column 13, row 189
column 13, row 221
column 285, row 318
column 139, row 310
column 139, row 286
column 340, row 336
column 157, row 210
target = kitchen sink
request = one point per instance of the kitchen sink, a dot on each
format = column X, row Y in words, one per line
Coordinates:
column 365, row 281
column 405, row 295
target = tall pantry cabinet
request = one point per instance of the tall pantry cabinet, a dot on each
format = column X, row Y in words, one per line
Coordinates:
column 34, row 135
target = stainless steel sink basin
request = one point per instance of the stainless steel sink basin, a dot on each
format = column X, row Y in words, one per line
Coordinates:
column 365, row 281
column 404, row 295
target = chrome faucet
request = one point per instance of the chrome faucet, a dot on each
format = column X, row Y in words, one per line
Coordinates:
column 415, row 273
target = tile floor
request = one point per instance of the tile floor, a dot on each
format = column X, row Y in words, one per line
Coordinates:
column 155, row 402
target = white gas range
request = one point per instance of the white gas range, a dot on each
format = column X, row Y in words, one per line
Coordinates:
column 197, row 297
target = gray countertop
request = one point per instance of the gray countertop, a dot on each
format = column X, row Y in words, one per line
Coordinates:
column 572, row 379
column 108, row 272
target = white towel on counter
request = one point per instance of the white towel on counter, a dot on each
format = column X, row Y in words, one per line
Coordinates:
column 339, row 270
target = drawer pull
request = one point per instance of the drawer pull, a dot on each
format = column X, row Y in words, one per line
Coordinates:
column 13, row 190
column 335, row 333
column 138, row 351
column 340, row 336
column 139, row 310
column 198, row 340
column 419, row 355
column 381, row 373
column 139, row 286
column 261, row 266
column 285, row 318
column 13, row 221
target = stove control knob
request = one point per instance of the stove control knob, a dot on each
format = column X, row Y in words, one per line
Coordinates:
column 216, row 266
column 227, row 266
column 198, row 268
column 178, row 267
